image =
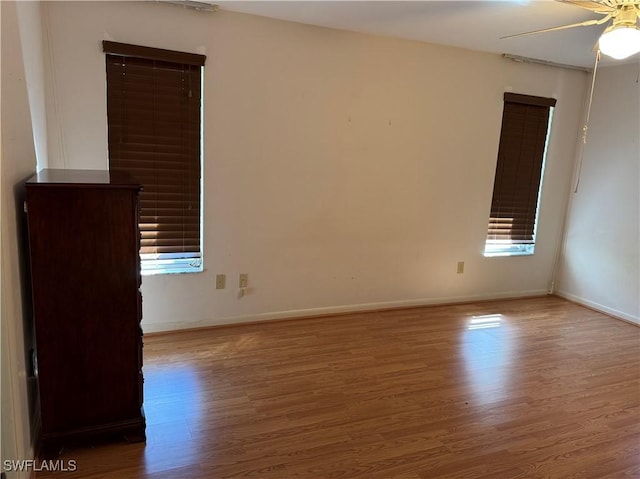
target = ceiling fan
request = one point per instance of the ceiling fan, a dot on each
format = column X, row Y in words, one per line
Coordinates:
column 620, row 39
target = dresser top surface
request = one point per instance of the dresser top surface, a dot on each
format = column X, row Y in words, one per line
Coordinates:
column 83, row 177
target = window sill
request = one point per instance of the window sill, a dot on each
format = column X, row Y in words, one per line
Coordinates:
column 154, row 266
column 495, row 250
column 505, row 253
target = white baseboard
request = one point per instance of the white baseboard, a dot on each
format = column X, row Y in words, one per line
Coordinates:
column 151, row 327
column 599, row 307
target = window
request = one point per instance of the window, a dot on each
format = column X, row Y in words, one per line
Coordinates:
column 516, row 190
column 154, row 119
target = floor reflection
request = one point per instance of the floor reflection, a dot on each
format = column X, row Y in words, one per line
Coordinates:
column 172, row 399
column 487, row 346
column 484, row 322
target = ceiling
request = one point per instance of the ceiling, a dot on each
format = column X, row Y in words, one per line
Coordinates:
column 475, row 25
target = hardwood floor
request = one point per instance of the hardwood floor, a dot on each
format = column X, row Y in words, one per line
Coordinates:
column 534, row 388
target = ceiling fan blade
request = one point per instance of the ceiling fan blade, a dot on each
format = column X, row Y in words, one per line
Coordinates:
column 590, row 5
column 563, row 27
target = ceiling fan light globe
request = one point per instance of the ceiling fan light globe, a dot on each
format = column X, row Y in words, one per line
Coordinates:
column 620, row 41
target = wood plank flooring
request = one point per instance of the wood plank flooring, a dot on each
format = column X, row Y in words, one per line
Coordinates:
column 534, row 388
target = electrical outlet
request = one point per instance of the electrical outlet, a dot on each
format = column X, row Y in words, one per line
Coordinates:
column 221, row 281
column 244, row 280
column 460, row 267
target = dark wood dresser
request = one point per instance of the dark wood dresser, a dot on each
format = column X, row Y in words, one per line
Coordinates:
column 85, row 272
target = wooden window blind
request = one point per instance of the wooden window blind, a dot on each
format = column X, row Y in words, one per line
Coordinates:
column 154, row 121
column 523, row 137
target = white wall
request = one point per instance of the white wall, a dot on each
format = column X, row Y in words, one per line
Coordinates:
column 341, row 171
column 18, row 162
column 31, row 38
column 600, row 266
